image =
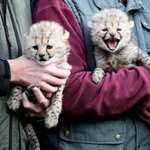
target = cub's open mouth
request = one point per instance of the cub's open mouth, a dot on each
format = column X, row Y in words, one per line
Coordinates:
column 112, row 44
column 43, row 59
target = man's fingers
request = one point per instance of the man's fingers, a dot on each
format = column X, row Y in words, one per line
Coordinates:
column 48, row 95
column 146, row 114
column 48, row 88
column 40, row 98
column 148, row 108
column 38, row 110
column 145, row 119
column 26, row 103
column 40, row 115
column 57, row 72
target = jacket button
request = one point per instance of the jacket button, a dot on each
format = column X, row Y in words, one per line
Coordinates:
column 67, row 133
column 118, row 137
column 138, row 145
column 145, row 23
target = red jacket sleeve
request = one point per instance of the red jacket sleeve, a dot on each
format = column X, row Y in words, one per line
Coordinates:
column 117, row 92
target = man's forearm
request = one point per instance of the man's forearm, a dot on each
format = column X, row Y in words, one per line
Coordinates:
column 4, row 77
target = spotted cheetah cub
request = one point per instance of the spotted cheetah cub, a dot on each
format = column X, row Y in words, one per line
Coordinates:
column 111, row 35
column 46, row 42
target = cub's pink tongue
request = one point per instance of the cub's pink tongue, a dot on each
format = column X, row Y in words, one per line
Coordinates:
column 112, row 44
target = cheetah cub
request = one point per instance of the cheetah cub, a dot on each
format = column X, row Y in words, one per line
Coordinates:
column 111, row 35
column 46, row 42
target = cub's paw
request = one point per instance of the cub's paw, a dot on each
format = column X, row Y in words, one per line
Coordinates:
column 15, row 98
column 51, row 119
column 30, row 94
column 98, row 75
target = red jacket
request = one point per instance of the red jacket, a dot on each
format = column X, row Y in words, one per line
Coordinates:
column 116, row 93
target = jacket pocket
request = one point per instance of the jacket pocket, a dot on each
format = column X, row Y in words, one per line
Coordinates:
column 93, row 135
column 145, row 21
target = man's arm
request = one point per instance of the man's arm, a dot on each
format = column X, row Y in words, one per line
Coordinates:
column 26, row 71
column 116, row 93
column 4, row 77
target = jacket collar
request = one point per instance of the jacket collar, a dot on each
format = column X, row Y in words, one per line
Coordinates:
column 131, row 4
column 134, row 5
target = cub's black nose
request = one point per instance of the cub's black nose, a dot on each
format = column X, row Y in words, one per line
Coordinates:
column 112, row 35
column 41, row 55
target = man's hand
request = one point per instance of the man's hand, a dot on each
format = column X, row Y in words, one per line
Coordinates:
column 25, row 71
column 144, row 115
column 38, row 110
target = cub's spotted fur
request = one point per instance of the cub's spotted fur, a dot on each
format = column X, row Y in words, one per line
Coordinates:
column 111, row 35
column 46, row 43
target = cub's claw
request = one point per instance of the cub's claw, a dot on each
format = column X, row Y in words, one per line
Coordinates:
column 30, row 94
column 98, row 75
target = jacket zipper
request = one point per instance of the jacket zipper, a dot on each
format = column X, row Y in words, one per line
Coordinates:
column 19, row 54
column 15, row 30
column 10, row 133
column 7, row 36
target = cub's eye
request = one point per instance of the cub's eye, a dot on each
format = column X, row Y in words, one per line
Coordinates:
column 105, row 29
column 49, row 47
column 35, row 47
column 118, row 29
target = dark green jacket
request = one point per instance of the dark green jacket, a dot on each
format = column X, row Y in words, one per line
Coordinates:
column 16, row 15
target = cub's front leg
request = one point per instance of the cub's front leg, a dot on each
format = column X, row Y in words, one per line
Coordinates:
column 98, row 75
column 52, row 116
column 15, row 98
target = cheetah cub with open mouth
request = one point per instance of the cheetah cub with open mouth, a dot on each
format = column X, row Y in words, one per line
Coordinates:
column 111, row 35
column 46, row 42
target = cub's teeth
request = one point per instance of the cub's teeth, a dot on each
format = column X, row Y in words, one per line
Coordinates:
column 112, row 48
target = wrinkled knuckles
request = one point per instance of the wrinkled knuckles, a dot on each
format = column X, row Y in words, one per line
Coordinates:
column 38, row 111
column 26, row 105
column 44, row 77
column 61, row 82
column 65, row 74
column 53, row 89
column 42, row 102
column 32, row 115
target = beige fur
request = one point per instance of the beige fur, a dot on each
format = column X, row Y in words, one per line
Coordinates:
column 51, row 34
column 46, row 43
column 111, row 35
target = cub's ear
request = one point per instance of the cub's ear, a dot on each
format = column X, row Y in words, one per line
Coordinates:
column 131, row 24
column 66, row 34
column 26, row 34
column 90, row 24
